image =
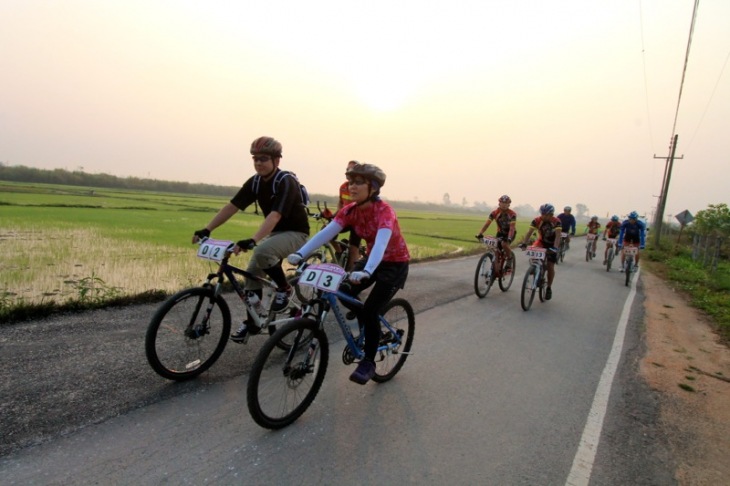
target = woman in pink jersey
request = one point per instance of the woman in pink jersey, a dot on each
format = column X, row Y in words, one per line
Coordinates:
column 386, row 265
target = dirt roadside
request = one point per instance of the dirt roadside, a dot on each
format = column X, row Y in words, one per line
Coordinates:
column 690, row 368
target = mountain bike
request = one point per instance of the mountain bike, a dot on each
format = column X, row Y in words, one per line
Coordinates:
column 610, row 252
column 563, row 247
column 630, row 252
column 493, row 265
column 190, row 330
column 590, row 238
column 536, row 276
column 282, row 385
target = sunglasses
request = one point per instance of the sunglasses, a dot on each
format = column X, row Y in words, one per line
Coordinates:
column 356, row 182
column 261, row 158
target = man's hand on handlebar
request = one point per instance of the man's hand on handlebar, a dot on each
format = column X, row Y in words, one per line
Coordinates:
column 244, row 245
column 201, row 234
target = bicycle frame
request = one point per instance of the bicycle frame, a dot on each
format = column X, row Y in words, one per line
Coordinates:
column 327, row 301
column 226, row 270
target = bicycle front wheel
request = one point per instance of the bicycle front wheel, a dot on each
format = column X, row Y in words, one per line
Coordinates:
column 628, row 270
column 484, row 276
column 282, row 385
column 394, row 349
column 529, row 284
column 188, row 333
column 505, row 281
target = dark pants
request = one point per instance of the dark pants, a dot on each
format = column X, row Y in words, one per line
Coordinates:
column 388, row 278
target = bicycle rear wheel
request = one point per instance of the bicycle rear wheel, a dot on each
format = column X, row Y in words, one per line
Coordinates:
column 629, row 269
column 484, row 276
column 388, row 361
column 529, row 285
column 505, row 280
column 609, row 259
column 282, row 385
column 187, row 333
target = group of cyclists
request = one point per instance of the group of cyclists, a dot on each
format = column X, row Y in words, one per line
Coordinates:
column 284, row 234
column 550, row 229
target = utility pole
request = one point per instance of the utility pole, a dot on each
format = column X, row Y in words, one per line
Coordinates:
column 657, row 229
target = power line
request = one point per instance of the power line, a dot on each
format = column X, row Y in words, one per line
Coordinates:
column 646, row 83
column 712, row 95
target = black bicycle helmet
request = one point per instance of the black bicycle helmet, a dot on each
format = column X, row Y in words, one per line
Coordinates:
column 266, row 146
column 505, row 199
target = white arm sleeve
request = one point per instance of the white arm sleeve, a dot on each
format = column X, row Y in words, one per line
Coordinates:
column 328, row 232
column 376, row 254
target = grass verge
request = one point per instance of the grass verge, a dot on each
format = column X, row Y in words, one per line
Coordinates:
column 707, row 290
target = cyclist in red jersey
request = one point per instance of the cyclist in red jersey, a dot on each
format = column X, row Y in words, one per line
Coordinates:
column 506, row 225
column 344, row 200
column 612, row 230
column 386, row 265
column 592, row 227
column 548, row 228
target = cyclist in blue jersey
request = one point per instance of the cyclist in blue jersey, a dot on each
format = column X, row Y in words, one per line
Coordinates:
column 633, row 232
column 567, row 222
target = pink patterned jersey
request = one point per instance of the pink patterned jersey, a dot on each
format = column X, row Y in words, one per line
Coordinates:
column 366, row 221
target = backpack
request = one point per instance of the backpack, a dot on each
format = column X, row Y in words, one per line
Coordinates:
column 279, row 177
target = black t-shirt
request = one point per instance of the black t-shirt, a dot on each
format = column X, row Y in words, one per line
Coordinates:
column 287, row 201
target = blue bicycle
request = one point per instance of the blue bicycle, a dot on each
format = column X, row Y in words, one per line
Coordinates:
column 283, row 384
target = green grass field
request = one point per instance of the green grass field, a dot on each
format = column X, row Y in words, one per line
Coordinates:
column 78, row 244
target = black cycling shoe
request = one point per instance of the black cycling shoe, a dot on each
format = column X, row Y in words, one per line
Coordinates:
column 548, row 293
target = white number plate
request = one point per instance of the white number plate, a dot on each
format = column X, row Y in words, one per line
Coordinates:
column 535, row 252
column 611, row 240
column 214, row 250
column 490, row 241
column 564, row 235
column 323, row 276
column 631, row 250
column 591, row 236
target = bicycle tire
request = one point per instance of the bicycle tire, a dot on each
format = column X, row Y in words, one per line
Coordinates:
column 561, row 255
column 279, row 393
column 400, row 315
column 609, row 259
column 484, row 275
column 528, row 288
column 505, row 280
column 542, row 285
column 628, row 269
column 588, row 252
column 179, row 352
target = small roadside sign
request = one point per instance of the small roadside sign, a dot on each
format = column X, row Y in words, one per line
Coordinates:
column 685, row 217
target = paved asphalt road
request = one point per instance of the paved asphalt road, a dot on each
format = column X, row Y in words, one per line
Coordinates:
column 491, row 395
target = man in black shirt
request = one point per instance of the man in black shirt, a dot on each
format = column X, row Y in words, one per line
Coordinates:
column 284, row 229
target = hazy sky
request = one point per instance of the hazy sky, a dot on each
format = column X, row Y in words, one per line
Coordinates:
column 566, row 101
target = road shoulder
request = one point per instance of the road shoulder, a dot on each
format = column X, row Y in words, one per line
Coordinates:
column 689, row 368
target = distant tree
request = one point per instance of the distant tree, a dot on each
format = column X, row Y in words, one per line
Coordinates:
column 713, row 220
column 525, row 211
column 581, row 211
column 463, row 202
column 447, row 199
